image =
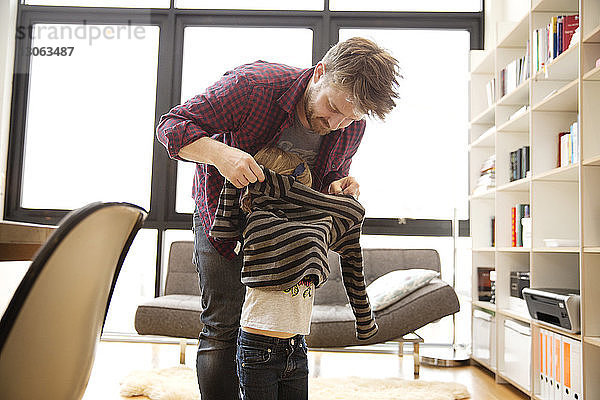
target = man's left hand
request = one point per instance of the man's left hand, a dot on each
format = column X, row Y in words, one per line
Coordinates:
column 347, row 185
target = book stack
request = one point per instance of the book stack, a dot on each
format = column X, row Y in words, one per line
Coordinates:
column 568, row 146
column 515, row 73
column 519, row 163
column 487, row 175
column 518, row 212
column 553, row 39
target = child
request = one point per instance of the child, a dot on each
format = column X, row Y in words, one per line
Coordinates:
column 288, row 231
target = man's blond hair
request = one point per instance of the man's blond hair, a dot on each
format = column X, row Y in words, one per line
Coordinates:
column 367, row 72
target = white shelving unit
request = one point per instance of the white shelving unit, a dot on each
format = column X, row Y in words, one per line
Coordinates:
column 565, row 202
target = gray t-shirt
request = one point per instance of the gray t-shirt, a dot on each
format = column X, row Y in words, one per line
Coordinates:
column 301, row 141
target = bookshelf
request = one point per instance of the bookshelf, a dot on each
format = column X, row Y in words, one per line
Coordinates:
column 563, row 199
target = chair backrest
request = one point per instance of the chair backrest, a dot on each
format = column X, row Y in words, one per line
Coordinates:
column 376, row 262
column 49, row 332
column 182, row 276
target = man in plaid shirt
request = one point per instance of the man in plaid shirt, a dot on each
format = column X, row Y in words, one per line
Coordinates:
column 317, row 112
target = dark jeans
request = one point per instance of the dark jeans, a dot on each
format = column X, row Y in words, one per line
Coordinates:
column 270, row 368
column 222, row 299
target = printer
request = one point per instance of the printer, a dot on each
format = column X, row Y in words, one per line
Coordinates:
column 554, row 307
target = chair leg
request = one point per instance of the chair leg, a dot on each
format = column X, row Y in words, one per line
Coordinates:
column 182, row 343
column 416, row 359
column 416, row 340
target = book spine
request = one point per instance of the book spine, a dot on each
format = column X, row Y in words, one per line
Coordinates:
column 513, row 212
column 525, row 162
column 560, row 158
column 493, row 241
column 575, row 135
column 511, row 174
column 569, row 145
column 559, row 37
column 553, row 37
column 518, row 226
column 535, row 50
column 518, row 166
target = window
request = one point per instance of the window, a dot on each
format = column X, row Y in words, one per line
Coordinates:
column 201, row 68
column 83, row 126
column 90, row 117
column 102, row 3
column 135, row 284
column 252, row 5
column 420, row 153
column 405, row 5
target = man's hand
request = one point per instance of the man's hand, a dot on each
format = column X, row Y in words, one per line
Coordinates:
column 347, row 185
column 238, row 167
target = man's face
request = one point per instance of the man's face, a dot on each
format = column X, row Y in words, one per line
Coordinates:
column 328, row 108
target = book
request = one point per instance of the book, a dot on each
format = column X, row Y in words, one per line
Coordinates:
column 560, row 158
column 553, row 46
column 518, row 158
column 513, row 226
column 512, row 163
column 564, row 149
column 524, row 161
column 570, row 24
column 574, row 134
column 518, row 226
column 558, row 35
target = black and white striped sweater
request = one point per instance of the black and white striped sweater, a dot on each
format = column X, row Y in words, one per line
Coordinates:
column 287, row 235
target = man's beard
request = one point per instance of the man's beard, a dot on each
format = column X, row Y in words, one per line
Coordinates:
column 318, row 125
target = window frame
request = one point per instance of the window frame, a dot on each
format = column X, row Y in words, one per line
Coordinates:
column 172, row 23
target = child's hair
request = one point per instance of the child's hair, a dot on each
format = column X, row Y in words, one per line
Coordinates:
column 280, row 161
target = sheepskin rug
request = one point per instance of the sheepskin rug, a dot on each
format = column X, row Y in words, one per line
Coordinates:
column 179, row 383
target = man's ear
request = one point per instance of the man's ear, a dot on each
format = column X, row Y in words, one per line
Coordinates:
column 318, row 72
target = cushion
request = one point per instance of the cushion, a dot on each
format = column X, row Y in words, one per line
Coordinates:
column 391, row 287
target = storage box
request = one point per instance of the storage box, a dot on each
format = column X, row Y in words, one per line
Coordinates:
column 517, row 352
column 484, row 337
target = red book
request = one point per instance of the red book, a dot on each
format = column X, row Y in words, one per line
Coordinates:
column 570, row 23
column 558, row 162
column 513, row 226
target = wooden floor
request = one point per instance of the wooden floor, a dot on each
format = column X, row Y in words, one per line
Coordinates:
column 114, row 360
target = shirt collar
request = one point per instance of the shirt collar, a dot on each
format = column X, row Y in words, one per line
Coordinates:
column 287, row 101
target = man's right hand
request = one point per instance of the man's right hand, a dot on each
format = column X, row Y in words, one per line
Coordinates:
column 238, row 167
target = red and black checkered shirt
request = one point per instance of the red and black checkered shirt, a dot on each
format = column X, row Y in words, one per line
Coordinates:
column 248, row 108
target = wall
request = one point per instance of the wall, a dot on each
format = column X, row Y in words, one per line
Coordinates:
column 8, row 22
column 500, row 17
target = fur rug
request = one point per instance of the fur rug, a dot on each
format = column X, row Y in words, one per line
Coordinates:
column 179, row 383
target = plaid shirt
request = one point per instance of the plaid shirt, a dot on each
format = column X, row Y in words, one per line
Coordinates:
column 248, row 108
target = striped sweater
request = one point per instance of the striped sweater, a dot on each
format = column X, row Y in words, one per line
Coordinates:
column 287, row 235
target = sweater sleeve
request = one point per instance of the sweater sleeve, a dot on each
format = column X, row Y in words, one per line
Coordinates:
column 226, row 224
column 351, row 261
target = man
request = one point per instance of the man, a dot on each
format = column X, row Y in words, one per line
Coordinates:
column 317, row 113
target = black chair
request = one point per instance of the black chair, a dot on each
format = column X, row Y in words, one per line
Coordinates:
column 49, row 332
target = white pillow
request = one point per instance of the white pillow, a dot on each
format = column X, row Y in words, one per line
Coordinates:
column 391, row 287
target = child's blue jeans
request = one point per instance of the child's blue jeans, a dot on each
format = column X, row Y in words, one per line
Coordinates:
column 270, row 368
